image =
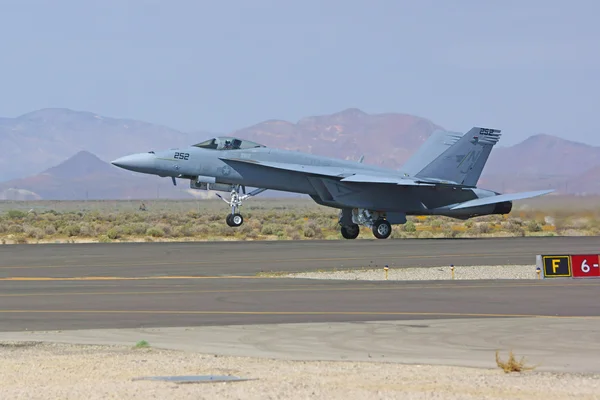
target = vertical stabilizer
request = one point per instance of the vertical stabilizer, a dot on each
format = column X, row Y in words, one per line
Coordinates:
column 436, row 144
column 463, row 162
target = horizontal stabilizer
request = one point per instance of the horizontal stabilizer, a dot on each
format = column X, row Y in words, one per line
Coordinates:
column 500, row 198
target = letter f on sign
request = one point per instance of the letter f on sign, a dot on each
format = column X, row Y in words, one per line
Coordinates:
column 555, row 265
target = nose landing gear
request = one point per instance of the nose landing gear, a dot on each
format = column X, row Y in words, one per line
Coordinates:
column 235, row 219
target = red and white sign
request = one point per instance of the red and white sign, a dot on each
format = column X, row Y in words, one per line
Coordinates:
column 586, row 266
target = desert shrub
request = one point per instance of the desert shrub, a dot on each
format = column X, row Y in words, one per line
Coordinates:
column 312, row 230
column 34, row 232
column 436, row 223
column 114, row 233
column 140, row 228
column 166, row 228
column 185, row 230
column 71, row 230
column 193, row 215
column 290, row 230
column 534, row 226
column 103, row 239
column 20, row 239
column 155, row 232
column 14, row 229
column 448, row 232
column 268, row 229
column 245, row 229
column 49, row 230
column 16, row 214
column 86, row 230
column 515, row 228
column 201, row 230
column 226, row 231
column 309, row 233
column 481, row 228
column 512, row 365
column 409, row 227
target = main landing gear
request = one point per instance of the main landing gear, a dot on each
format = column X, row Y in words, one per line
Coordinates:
column 350, row 221
column 235, row 219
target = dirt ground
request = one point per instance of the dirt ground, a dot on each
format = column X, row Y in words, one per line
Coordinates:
column 45, row 371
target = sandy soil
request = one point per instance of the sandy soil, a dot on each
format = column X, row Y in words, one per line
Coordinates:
column 427, row 273
column 49, row 371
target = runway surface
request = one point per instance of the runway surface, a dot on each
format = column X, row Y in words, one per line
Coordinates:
column 248, row 258
column 61, row 287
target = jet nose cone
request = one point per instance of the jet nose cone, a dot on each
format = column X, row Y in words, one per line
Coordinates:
column 142, row 162
column 120, row 162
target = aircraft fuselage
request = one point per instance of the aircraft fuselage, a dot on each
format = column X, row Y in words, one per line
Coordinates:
column 207, row 165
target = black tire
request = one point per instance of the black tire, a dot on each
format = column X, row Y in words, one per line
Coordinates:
column 350, row 232
column 229, row 221
column 236, row 220
column 382, row 229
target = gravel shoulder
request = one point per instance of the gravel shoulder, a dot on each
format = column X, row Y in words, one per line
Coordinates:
column 35, row 371
column 425, row 274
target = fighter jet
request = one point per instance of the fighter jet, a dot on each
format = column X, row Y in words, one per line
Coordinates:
column 439, row 179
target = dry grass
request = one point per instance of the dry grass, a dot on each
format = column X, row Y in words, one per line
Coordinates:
column 267, row 219
column 512, row 365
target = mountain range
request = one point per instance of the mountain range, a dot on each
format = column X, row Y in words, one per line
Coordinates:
column 42, row 139
column 71, row 149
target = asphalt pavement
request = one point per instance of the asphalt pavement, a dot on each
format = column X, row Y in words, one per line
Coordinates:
column 132, row 285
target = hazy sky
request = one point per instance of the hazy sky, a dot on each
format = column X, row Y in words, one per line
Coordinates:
column 523, row 66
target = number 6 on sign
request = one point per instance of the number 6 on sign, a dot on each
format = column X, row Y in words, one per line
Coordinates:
column 586, row 266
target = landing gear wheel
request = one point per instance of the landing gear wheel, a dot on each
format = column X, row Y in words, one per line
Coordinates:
column 235, row 202
column 350, row 232
column 382, row 229
column 234, row 220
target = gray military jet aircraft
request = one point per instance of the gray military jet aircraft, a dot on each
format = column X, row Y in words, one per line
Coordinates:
column 439, row 179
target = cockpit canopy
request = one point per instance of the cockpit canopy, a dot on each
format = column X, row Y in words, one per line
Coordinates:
column 227, row 143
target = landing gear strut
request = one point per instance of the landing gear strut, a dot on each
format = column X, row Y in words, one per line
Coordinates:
column 350, row 221
column 235, row 219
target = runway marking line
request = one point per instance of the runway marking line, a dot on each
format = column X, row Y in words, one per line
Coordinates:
column 261, row 260
column 125, row 278
column 302, row 288
column 357, row 313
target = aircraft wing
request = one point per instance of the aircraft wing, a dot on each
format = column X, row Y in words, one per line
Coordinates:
column 500, row 198
column 337, row 172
